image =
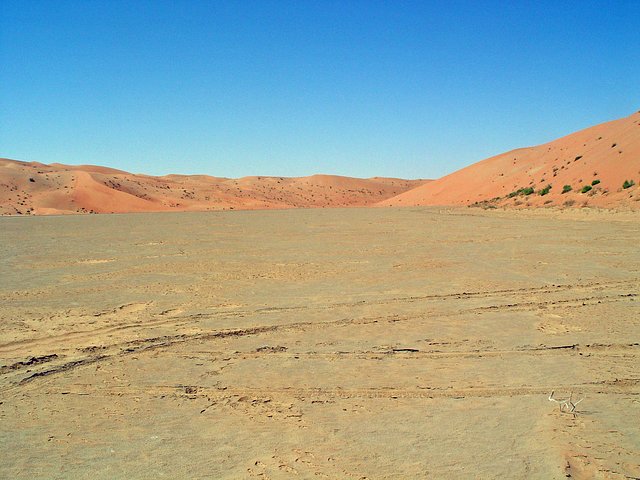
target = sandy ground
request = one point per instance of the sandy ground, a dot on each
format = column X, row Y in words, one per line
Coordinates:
column 345, row 343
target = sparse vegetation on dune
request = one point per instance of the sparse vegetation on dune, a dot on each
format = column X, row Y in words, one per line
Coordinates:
column 571, row 163
column 544, row 191
column 33, row 189
column 521, row 191
column 40, row 189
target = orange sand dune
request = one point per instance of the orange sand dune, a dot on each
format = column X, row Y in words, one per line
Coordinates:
column 587, row 168
column 39, row 189
column 605, row 155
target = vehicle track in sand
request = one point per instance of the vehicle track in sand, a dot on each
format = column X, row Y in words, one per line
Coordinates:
column 56, row 363
column 75, row 339
column 622, row 386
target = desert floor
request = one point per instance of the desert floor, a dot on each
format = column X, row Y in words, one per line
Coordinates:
column 343, row 343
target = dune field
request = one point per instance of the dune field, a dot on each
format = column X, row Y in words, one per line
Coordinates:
column 359, row 343
column 595, row 167
column 33, row 188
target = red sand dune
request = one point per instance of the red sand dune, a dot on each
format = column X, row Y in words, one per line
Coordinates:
column 601, row 157
column 608, row 153
column 36, row 188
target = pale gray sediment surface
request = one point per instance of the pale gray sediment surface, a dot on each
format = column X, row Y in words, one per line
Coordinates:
column 341, row 343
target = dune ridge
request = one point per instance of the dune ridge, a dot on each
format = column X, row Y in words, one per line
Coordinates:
column 35, row 188
column 593, row 163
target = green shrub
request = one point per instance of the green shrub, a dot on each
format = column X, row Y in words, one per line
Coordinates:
column 586, row 188
column 566, row 189
column 628, row 183
column 515, row 193
column 595, row 182
column 528, row 190
column 544, row 191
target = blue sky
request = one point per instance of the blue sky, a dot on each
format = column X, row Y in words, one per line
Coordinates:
column 358, row 88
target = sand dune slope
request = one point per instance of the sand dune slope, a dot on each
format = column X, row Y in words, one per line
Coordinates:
column 36, row 188
column 598, row 166
column 602, row 157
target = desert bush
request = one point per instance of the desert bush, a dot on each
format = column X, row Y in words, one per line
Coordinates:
column 527, row 191
column 544, row 191
column 595, row 182
column 586, row 188
column 520, row 191
column 567, row 188
column 628, row 183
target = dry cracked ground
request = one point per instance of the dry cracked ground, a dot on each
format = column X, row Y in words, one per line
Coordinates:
column 355, row 344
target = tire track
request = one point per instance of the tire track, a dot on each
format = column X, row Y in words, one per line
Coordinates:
column 21, row 345
column 113, row 350
column 631, row 349
column 572, row 302
column 160, row 342
column 448, row 296
column 166, row 341
column 624, row 386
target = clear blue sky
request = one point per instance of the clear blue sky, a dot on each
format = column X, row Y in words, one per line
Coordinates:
column 359, row 88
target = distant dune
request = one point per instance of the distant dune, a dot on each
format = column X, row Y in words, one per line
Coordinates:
column 39, row 189
column 594, row 164
column 598, row 166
